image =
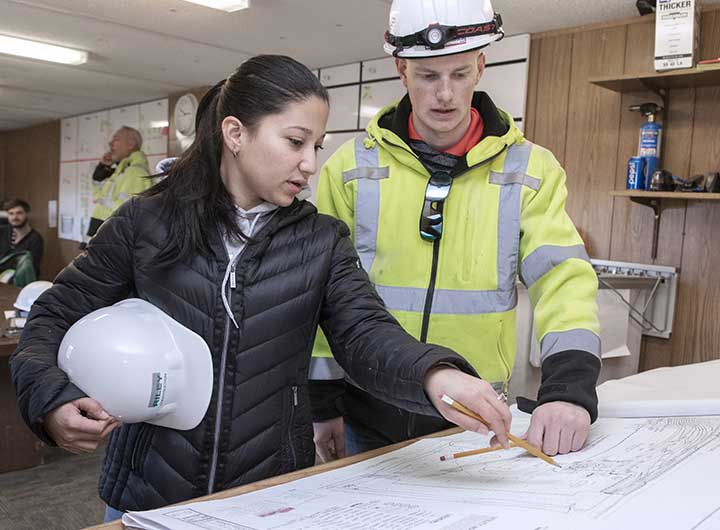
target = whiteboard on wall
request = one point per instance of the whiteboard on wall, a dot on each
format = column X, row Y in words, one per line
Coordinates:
column 374, row 96
column 331, row 144
column 83, row 141
column 343, row 108
column 379, row 69
column 508, row 49
column 506, row 86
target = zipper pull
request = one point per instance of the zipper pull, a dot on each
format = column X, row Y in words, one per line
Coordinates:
column 232, row 279
column 295, row 398
column 506, row 387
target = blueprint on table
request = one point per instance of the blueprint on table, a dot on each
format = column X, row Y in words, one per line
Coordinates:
column 633, row 473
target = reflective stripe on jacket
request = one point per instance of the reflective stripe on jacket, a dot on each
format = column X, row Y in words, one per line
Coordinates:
column 504, row 216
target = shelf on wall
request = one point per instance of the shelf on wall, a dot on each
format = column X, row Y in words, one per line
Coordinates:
column 691, row 78
column 660, row 83
column 654, row 199
column 677, row 195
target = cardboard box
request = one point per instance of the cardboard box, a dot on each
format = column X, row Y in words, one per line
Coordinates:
column 677, row 29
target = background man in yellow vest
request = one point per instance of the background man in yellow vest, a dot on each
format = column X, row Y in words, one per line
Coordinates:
column 447, row 203
column 121, row 173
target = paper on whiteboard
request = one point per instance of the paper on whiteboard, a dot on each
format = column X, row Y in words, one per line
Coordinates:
column 154, row 128
column 52, row 214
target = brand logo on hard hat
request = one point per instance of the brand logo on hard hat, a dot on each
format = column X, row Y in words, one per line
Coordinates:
column 477, row 29
column 157, row 389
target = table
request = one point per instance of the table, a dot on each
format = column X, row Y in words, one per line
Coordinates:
column 289, row 477
column 656, row 380
column 19, row 447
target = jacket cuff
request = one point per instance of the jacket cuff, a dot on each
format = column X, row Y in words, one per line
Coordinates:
column 326, row 399
column 69, row 393
column 102, row 172
column 571, row 376
column 462, row 366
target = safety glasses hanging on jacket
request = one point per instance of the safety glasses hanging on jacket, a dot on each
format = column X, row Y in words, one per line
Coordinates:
column 431, row 218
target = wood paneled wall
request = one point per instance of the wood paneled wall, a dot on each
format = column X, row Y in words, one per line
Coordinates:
column 30, row 159
column 593, row 134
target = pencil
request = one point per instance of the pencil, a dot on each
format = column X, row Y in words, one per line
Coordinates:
column 463, row 454
column 518, row 441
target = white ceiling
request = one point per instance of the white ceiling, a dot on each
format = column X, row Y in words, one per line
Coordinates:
column 144, row 49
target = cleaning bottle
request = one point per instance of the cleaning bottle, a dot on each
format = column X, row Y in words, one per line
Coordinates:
column 650, row 141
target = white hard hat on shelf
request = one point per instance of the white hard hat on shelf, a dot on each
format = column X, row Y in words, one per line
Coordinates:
column 429, row 28
column 28, row 294
column 140, row 365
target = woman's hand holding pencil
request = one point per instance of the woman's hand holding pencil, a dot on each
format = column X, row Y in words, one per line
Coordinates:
column 474, row 406
column 520, row 442
column 475, row 393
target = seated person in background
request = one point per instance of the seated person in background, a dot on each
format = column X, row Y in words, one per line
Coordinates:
column 18, row 237
column 121, row 173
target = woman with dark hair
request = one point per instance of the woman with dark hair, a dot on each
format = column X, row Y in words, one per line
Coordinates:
column 223, row 247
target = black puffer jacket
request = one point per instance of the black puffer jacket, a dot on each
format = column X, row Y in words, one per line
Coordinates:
column 300, row 270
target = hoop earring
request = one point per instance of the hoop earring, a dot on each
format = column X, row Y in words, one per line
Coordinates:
column 234, row 155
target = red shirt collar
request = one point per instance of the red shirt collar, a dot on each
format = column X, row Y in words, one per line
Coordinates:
column 468, row 141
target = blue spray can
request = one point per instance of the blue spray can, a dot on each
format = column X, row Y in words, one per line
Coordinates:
column 650, row 142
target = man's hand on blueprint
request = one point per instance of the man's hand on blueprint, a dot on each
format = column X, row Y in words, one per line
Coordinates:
column 329, row 439
column 475, row 394
column 558, row 427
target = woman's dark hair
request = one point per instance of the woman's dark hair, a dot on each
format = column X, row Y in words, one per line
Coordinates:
column 194, row 198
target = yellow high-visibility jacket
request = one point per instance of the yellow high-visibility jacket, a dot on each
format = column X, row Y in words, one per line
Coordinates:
column 505, row 215
column 128, row 179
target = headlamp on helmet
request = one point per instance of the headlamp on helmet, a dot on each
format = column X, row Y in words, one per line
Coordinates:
column 438, row 36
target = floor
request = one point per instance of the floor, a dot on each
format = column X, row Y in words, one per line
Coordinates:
column 58, row 495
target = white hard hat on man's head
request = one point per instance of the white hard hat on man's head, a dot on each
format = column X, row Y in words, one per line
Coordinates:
column 28, row 294
column 140, row 365
column 429, row 28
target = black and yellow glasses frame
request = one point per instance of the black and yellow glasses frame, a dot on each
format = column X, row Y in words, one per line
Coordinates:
column 431, row 218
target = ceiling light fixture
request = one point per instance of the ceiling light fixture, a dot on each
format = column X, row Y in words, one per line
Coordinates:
column 39, row 50
column 224, row 5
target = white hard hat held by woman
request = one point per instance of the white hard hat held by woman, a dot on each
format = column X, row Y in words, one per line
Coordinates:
column 140, row 365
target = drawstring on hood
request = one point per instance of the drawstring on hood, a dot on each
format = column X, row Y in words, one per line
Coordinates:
column 248, row 221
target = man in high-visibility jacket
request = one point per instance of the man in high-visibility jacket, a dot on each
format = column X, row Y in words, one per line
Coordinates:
column 448, row 202
column 121, row 173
